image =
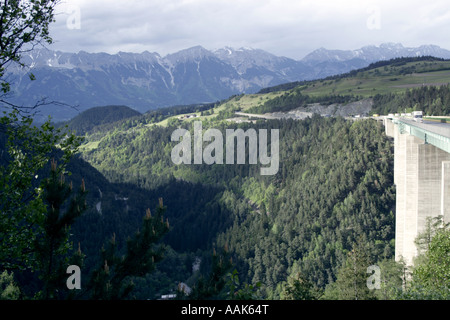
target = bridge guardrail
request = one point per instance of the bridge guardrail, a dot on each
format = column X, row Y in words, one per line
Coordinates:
column 435, row 139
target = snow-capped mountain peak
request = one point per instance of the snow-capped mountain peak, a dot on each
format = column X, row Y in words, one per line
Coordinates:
column 146, row 80
column 372, row 53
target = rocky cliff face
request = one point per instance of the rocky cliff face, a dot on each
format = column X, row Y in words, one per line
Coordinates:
column 357, row 108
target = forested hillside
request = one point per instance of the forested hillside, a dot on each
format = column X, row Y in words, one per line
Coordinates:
column 432, row 100
column 99, row 116
column 334, row 188
column 332, row 196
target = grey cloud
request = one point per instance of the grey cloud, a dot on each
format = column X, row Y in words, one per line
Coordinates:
column 284, row 27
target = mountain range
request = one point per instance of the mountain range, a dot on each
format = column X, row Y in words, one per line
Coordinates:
column 146, row 81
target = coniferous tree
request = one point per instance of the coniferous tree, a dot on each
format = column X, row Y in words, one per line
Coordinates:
column 110, row 280
column 391, row 279
column 430, row 274
column 53, row 245
column 213, row 285
column 242, row 291
column 26, row 150
column 298, row 288
column 432, row 226
column 351, row 282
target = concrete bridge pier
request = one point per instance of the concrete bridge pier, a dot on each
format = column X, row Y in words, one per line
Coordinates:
column 445, row 192
column 422, row 179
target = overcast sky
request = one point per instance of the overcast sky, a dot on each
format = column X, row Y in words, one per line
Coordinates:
column 291, row 28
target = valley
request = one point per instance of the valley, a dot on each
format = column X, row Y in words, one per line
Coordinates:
column 333, row 194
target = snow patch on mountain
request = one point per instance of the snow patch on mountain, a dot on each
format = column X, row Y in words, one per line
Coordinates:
column 146, row 80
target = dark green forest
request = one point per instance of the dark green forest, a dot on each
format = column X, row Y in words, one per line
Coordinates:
column 334, row 189
column 432, row 100
column 98, row 117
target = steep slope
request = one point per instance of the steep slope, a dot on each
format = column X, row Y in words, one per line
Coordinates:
column 199, row 76
column 98, row 116
column 334, row 185
column 255, row 63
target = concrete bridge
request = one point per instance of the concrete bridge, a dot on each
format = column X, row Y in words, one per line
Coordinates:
column 421, row 176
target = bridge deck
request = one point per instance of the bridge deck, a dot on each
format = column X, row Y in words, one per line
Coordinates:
column 437, row 134
column 442, row 129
